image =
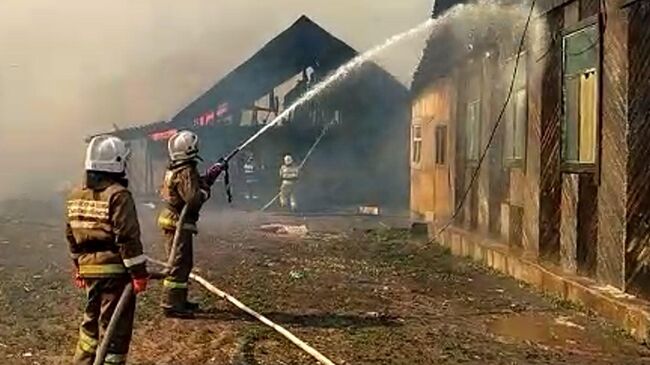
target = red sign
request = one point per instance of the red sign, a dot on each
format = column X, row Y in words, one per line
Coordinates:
column 211, row 116
column 163, row 135
column 222, row 109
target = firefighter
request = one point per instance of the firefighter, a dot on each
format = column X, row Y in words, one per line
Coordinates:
column 103, row 233
column 182, row 186
column 250, row 178
column 289, row 176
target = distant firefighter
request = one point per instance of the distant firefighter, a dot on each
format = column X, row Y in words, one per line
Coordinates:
column 103, row 233
column 250, row 177
column 289, row 174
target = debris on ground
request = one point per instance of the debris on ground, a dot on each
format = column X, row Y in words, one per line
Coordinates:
column 285, row 229
column 368, row 210
column 419, row 229
column 615, row 292
column 564, row 321
column 360, row 297
column 297, row 274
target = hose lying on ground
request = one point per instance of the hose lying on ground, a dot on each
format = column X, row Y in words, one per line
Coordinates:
column 281, row 330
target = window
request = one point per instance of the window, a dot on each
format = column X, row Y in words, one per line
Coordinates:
column 516, row 117
column 416, row 147
column 580, row 93
column 441, row 145
column 472, row 130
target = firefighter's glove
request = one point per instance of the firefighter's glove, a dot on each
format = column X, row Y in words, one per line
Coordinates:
column 140, row 285
column 214, row 171
column 78, row 280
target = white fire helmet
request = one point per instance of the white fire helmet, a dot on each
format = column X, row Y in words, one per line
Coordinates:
column 288, row 160
column 106, row 153
column 183, row 145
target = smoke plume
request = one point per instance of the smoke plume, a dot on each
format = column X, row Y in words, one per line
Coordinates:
column 73, row 68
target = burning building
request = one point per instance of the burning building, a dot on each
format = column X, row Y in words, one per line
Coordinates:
column 565, row 178
column 367, row 115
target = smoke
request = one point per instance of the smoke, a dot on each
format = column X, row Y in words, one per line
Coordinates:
column 73, row 68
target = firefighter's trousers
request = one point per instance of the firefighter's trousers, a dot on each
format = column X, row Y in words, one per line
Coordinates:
column 287, row 194
column 102, row 298
column 176, row 283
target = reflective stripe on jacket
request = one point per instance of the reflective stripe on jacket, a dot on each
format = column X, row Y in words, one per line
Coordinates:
column 182, row 186
column 290, row 172
column 103, row 232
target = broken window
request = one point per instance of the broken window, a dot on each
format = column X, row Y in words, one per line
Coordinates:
column 472, row 130
column 416, row 146
column 516, row 117
column 441, row 145
column 580, row 92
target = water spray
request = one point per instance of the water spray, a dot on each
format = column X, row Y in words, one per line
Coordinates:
column 345, row 70
column 340, row 73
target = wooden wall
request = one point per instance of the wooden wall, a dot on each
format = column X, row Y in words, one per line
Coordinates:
column 593, row 221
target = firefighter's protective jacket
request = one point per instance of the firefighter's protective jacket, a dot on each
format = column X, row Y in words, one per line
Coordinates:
column 103, row 232
column 182, row 186
column 289, row 173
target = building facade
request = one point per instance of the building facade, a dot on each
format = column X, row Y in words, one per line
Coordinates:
column 559, row 173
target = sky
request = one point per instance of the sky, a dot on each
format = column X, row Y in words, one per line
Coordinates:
column 72, row 68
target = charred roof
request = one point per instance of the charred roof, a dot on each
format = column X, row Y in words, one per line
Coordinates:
column 444, row 49
column 304, row 44
column 440, row 6
column 439, row 53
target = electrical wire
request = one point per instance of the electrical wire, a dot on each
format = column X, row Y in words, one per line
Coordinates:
column 484, row 153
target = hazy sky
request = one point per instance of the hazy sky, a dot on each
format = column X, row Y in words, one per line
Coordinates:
column 69, row 68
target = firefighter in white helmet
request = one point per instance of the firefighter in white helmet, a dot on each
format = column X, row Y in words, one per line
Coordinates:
column 103, row 234
column 182, row 186
column 289, row 175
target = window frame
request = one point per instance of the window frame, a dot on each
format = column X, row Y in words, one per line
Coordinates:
column 476, row 128
column 415, row 140
column 438, row 151
column 509, row 160
column 573, row 166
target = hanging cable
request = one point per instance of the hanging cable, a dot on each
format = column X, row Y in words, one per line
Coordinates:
column 484, row 153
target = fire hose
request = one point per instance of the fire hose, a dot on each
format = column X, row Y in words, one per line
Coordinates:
column 304, row 160
column 127, row 295
column 125, row 298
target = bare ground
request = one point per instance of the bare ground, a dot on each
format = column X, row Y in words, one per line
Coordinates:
column 359, row 296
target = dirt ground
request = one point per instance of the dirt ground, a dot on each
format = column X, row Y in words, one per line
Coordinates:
column 354, row 289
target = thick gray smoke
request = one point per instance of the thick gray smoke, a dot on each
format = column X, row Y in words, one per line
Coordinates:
column 72, row 68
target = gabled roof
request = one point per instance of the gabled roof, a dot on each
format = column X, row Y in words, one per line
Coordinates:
column 440, row 6
column 302, row 45
column 438, row 54
column 136, row 131
column 444, row 49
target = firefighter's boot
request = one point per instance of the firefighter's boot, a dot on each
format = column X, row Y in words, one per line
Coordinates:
column 193, row 306
column 175, row 304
